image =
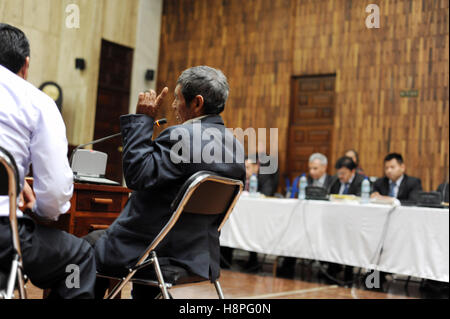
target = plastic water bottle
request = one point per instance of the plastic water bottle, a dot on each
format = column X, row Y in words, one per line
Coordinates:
column 365, row 191
column 253, row 187
column 302, row 187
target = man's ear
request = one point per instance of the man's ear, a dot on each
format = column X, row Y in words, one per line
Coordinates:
column 197, row 105
column 23, row 72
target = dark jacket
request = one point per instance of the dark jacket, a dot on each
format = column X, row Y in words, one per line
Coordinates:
column 151, row 172
column 355, row 186
column 443, row 189
column 407, row 191
column 329, row 181
column 268, row 183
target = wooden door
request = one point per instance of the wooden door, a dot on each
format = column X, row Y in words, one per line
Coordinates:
column 311, row 121
column 113, row 99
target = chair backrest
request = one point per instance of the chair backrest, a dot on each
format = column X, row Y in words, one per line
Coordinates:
column 203, row 193
column 10, row 186
column 7, row 162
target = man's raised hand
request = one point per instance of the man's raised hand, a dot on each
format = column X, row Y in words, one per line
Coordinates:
column 149, row 104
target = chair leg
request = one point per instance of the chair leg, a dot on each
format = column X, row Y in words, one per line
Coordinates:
column 274, row 267
column 12, row 279
column 219, row 289
column 407, row 282
column 162, row 284
column 21, row 282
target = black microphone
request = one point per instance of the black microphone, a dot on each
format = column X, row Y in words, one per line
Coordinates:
column 157, row 123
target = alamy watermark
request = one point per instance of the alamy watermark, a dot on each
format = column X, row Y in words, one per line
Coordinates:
column 206, row 145
column 373, row 19
column 73, row 16
column 73, row 277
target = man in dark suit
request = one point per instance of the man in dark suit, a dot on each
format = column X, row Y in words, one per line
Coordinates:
column 318, row 164
column 318, row 177
column 348, row 182
column 443, row 190
column 156, row 170
column 267, row 183
column 396, row 183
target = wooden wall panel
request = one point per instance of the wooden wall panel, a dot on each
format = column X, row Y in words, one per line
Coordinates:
column 249, row 41
column 408, row 52
column 261, row 44
column 55, row 47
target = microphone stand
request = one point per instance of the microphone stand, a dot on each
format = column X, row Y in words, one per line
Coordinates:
column 157, row 123
column 90, row 143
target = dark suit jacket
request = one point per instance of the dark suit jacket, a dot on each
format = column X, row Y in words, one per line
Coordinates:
column 443, row 189
column 407, row 191
column 355, row 186
column 329, row 181
column 268, row 183
column 151, row 172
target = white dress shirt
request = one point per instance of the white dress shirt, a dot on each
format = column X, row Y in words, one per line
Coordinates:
column 32, row 130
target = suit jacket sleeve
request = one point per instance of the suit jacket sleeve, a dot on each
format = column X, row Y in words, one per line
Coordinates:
column 377, row 186
column 416, row 187
column 146, row 163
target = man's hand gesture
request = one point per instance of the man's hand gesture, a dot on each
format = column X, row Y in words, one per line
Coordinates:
column 149, row 103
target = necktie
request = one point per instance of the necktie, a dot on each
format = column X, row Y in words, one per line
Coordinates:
column 392, row 189
column 347, row 185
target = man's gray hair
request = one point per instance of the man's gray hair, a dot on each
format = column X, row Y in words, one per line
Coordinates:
column 210, row 83
column 319, row 156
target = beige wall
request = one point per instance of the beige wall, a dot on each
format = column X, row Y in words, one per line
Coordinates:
column 54, row 48
column 146, row 51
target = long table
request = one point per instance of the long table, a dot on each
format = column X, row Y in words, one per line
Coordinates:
column 411, row 241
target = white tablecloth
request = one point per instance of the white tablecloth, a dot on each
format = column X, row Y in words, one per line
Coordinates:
column 415, row 240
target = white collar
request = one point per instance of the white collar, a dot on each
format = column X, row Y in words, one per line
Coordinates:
column 398, row 182
column 196, row 119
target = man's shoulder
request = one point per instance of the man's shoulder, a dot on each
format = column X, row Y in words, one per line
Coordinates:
column 26, row 92
column 411, row 180
column 190, row 127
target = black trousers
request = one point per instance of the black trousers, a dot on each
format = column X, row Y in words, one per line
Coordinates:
column 138, row 292
column 51, row 259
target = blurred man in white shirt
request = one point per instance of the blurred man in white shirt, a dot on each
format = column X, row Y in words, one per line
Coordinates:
column 32, row 130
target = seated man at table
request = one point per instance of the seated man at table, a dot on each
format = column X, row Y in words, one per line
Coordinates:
column 349, row 181
column 317, row 177
column 395, row 183
column 156, row 169
column 318, row 164
column 33, row 131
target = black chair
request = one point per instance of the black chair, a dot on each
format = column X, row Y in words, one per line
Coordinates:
column 9, row 185
column 203, row 193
